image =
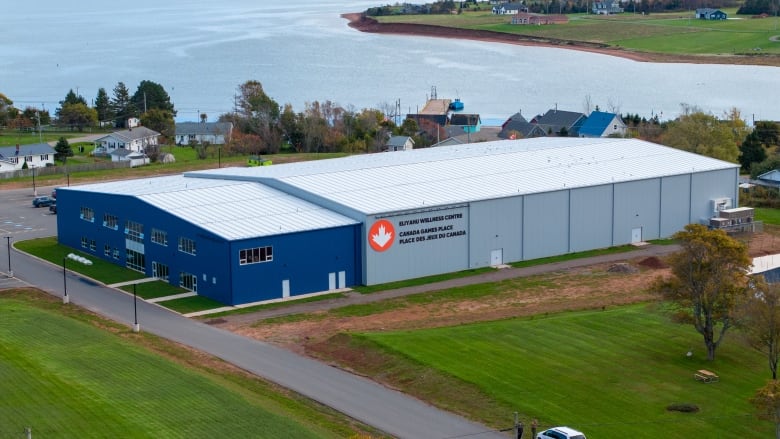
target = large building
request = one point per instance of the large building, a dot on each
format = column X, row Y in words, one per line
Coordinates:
column 242, row 235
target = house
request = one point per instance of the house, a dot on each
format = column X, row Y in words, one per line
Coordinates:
column 517, row 127
column 214, row 133
column 36, row 155
column 606, row 7
column 559, row 122
column 539, row 19
column 399, row 143
column 710, row 14
column 135, row 158
column 468, row 123
column 509, row 9
column 601, row 124
column 136, row 139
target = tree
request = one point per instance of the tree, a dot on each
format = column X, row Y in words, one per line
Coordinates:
column 63, row 150
column 103, row 106
column 709, row 278
column 151, row 95
column 751, row 151
column 767, row 404
column 701, row 133
column 122, row 106
column 6, row 107
column 160, row 121
column 760, row 321
column 258, row 114
column 77, row 116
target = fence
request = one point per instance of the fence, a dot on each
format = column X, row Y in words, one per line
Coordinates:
column 63, row 169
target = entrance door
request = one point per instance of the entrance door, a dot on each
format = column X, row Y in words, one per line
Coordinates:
column 331, row 281
column 496, row 257
column 286, row 288
column 342, row 279
column 636, row 235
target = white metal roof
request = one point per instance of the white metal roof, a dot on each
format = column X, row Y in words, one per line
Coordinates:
column 404, row 180
column 230, row 209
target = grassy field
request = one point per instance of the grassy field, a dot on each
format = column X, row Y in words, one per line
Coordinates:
column 610, row 373
column 767, row 215
column 673, row 33
column 70, row 374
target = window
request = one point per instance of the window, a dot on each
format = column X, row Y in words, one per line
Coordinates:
column 116, row 253
column 135, row 260
column 188, row 282
column 187, row 245
column 28, row 159
column 92, row 245
column 107, row 251
column 134, row 231
column 160, row 237
column 84, row 242
column 160, row 271
column 110, row 221
column 87, row 214
column 44, row 157
column 255, row 255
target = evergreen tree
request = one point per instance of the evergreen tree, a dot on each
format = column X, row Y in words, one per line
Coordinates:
column 122, row 106
column 151, row 95
column 63, row 150
column 103, row 106
column 751, row 151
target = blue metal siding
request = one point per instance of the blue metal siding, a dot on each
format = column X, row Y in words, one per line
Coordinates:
column 305, row 259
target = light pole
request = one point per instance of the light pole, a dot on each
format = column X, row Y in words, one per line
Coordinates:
column 75, row 257
column 136, row 326
column 35, row 191
column 10, row 272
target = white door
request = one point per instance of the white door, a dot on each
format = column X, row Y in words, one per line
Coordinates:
column 636, row 235
column 496, row 257
column 342, row 279
column 286, row 288
column 331, row 281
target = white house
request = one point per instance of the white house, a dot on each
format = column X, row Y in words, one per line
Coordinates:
column 400, row 143
column 37, row 155
column 132, row 139
column 215, row 133
column 135, row 158
column 509, row 9
column 601, row 124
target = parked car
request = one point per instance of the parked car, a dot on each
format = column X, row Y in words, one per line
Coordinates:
column 53, row 208
column 42, row 201
column 561, row 433
column 54, row 194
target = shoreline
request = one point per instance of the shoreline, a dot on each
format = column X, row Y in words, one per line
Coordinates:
column 358, row 21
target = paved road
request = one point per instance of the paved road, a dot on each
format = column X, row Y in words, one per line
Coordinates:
column 390, row 411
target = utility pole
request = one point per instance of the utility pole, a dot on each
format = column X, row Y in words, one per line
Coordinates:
column 8, row 241
column 40, row 133
column 144, row 102
column 518, row 429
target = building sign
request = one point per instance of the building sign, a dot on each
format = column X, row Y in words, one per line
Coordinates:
column 381, row 235
column 431, row 226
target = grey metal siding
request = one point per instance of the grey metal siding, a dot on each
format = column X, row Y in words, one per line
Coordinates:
column 546, row 224
column 495, row 224
column 637, row 205
column 591, row 218
column 675, row 204
column 424, row 243
column 706, row 186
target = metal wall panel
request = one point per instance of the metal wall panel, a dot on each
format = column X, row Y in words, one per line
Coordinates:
column 591, row 218
column 416, row 244
column 706, row 186
column 495, row 224
column 675, row 204
column 637, row 205
column 545, row 224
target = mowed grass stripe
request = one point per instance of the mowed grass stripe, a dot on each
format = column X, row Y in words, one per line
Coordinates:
column 611, row 372
column 64, row 378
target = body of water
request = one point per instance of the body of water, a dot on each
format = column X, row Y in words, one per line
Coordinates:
column 301, row 51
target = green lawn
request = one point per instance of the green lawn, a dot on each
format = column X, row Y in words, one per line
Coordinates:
column 768, row 215
column 608, row 373
column 672, row 32
column 63, row 377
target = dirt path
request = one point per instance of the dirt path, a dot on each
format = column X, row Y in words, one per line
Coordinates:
column 365, row 24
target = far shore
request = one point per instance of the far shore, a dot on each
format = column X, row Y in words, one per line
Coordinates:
column 366, row 24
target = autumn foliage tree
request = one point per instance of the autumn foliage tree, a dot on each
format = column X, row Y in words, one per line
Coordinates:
column 767, row 404
column 760, row 321
column 709, row 279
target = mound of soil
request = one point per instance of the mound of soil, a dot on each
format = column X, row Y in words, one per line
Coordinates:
column 653, row 263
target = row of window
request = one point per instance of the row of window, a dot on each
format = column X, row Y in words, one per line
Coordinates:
column 255, row 255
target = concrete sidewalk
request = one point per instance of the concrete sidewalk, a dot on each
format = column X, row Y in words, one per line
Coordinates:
column 354, row 298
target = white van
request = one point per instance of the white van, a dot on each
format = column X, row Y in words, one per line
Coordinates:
column 561, row 433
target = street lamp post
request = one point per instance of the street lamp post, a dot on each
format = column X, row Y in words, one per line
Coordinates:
column 35, row 191
column 10, row 272
column 136, row 326
column 75, row 257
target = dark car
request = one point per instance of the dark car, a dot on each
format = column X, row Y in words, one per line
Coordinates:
column 54, row 194
column 53, row 208
column 42, row 201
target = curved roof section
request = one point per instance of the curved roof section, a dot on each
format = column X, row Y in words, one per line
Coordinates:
column 230, row 209
column 421, row 178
